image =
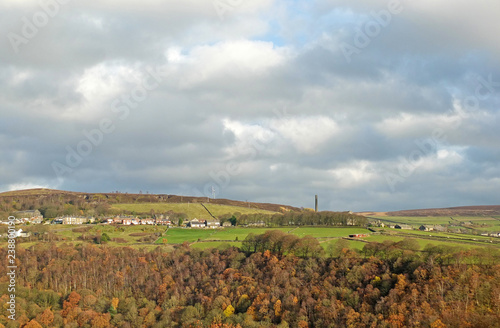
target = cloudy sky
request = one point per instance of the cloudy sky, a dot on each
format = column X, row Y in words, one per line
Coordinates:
column 371, row 104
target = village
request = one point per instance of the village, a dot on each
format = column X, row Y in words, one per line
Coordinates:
column 35, row 217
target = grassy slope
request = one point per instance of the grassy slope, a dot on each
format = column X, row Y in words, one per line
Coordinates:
column 444, row 220
column 241, row 233
column 180, row 235
column 325, row 232
column 193, row 210
column 479, row 224
column 214, row 244
column 36, row 191
column 326, row 235
column 217, row 210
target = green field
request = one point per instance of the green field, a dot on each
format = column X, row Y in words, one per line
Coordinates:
column 434, row 234
column 422, row 242
column 227, row 236
column 325, row 235
column 208, row 238
column 353, row 244
column 478, row 223
column 218, row 210
column 120, row 235
column 215, row 244
column 241, row 233
column 416, row 221
column 325, row 232
column 192, row 210
column 180, row 235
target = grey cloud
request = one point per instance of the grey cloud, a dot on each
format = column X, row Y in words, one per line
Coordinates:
column 177, row 141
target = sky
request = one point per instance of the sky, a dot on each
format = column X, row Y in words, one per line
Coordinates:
column 370, row 104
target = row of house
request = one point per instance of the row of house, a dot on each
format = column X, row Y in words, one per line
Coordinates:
column 432, row 228
column 73, row 220
column 23, row 217
column 209, row 224
column 421, row 228
column 491, row 234
column 128, row 220
column 379, row 223
column 401, row 226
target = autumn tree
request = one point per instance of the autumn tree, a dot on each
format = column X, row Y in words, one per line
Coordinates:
column 46, row 318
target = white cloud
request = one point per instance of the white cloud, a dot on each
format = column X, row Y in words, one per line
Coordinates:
column 245, row 132
column 28, row 185
column 345, row 124
column 229, row 60
column 306, row 134
column 353, row 174
column 441, row 161
column 250, row 141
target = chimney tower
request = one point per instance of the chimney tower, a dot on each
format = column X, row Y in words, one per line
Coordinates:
column 315, row 203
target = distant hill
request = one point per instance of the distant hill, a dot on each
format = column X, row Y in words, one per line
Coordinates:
column 486, row 210
column 40, row 197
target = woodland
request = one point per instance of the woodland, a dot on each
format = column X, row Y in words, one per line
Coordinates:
column 274, row 280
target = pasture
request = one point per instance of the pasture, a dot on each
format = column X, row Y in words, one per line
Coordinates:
column 328, row 232
column 154, row 236
column 192, row 210
column 325, row 235
column 472, row 223
column 241, row 233
column 180, row 235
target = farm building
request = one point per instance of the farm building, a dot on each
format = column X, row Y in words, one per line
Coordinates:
column 403, row 226
column 425, row 228
column 213, row 224
column 147, row 221
column 438, row 228
column 164, row 221
column 125, row 220
column 491, row 234
column 358, row 235
column 21, row 234
column 76, row 220
column 195, row 223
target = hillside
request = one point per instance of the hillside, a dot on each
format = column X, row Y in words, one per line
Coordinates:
column 192, row 210
column 69, row 202
column 487, row 210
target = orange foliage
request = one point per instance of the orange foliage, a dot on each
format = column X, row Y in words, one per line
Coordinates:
column 264, row 286
column 114, row 302
column 101, row 321
column 438, row 324
column 32, row 324
column 70, row 303
column 46, row 317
